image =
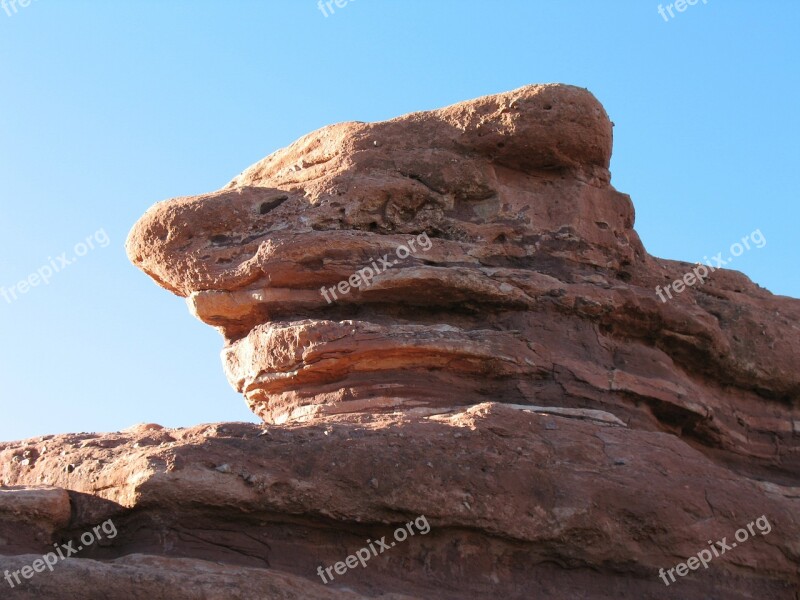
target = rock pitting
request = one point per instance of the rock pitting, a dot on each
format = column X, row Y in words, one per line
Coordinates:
column 514, row 378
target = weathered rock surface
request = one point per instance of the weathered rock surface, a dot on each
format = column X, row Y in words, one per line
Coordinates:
column 31, row 516
column 513, row 377
column 535, row 287
column 520, row 503
column 140, row 577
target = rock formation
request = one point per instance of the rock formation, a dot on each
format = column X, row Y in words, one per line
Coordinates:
column 447, row 314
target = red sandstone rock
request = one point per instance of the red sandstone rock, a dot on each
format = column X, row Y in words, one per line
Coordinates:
column 138, row 577
column 515, row 379
column 521, row 503
column 535, row 289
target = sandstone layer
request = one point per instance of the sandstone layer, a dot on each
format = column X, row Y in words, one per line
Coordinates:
column 535, row 288
column 521, row 504
column 512, row 375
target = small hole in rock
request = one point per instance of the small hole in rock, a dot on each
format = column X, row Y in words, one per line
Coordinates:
column 272, row 204
column 218, row 239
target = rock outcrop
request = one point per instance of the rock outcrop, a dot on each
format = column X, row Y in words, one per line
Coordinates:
column 448, row 314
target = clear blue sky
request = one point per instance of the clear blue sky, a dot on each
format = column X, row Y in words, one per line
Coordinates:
column 108, row 107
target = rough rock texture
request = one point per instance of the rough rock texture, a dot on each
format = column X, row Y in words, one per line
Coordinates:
column 535, row 289
column 138, row 577
column 514, row 378
column 520, row 503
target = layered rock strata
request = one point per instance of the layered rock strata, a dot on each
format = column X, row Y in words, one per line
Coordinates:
column 521, row 503
column 526, row 284
column 445, row 315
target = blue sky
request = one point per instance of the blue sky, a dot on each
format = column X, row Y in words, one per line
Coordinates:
column 109, row 107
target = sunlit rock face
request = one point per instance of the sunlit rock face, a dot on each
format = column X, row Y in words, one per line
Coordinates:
column 470, row 254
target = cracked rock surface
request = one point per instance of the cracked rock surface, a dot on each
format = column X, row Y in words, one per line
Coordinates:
column 527, row 283
column 511, row 375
